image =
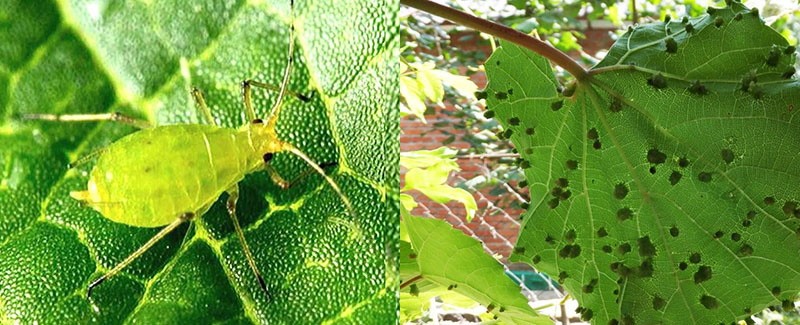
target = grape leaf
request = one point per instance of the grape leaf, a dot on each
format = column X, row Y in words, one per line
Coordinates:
column 664, row 187
column 322, row 265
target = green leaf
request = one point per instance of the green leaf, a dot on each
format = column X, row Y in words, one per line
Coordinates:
column 454, row 261
column 428, row 173
column 141, row 58
column 662, row 189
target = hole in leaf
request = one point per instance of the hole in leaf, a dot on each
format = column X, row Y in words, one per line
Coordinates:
column 776, row 291
column 718, row 22
column 589, row 287
column 746, row 223
column 789, row 208
column 602, row 232
column 671, row 44
column 620, row 269
column 624, row 214
column 620, row 191
column 557, row 105
column 549, row 239
column 513, row 121
column 597, row 145
column 719, row 234
column 607, row 249
column 658, row 303
column 704, row 177
column 736, row 236
column 519, row 250
column 488, row 114
column 769, row 200
column 570, row 236
column 675, row 177
column 683, row 162
column 510, row 91
column 565, row 195
column 562, row 182
column 530, row 131
column 586, row 315
column 536, row 259
column 562, row 277
column 552, row 204
column 653, row 170
column 703, row 274
column 592, row 134
column 683, row 266
column 501, row 95
column 674, row 231
column 646, row 268
column 689, row 28
column 709, row 302
column 654, row 156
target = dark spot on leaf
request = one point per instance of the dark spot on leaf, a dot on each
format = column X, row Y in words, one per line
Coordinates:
column 513, row 121
column 624, row 248
column 789, row 73
column 530, row 131
column 490, row 307
column 774, row 56
column 572, row 164
column 589, row 287
column 570, row 251
column 510, row 91
column 719, row 234
column 523, row 184
column 570, row 236
column 562, row 182
column 624, row 214
column 501, row 95
column 683, row 162
column 562, row 277
column 607, row 248
column 646, row 247
column 620, row 191
column 709, row 302
column 718, row 22
column 789, row 208
column 507, row 133
column 528, row 151
column 413, row 290
column 556, row 191
column 689, row 28
column 536, row 259
column 711, row 10
column 674, row 231
column 746, row 223
column 745, row 250
column 675, row 177
column 597, row 145
column 694, row 258
column 557, row 105
column 592, row 134
column 738, row 16
column 683, row 266
column 727, row 155
column 684, row 20
column 697, row 88
column 667, row 18
column 565, row 195
column 736, row 236
column 616, row 105
column 671, row 44
column 602, row 232
column 654, row 156
column 412, row 256
column 703, row 274
column 751, row 214
column 552, row 204
column 704, row 177
column 519, row 250
column 769, row 200
column 789, row 50
column 620, row 269
column 776, row 291
column 646, row 268
column 652, row 170
column 549, row 239
column 659, row 303
column 488, row 114
column 524, row 163
column 657, row 81
column 480, row 94
column 754, row 11
column 452, row 286
column 586, row 315
column 748, row 310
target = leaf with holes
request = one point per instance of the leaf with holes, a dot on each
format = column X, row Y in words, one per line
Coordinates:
column 663, row 189
column 321, row 263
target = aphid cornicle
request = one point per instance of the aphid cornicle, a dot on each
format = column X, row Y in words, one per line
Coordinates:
column 167, row 175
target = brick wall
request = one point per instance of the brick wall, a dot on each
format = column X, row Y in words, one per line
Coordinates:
column 497, row 230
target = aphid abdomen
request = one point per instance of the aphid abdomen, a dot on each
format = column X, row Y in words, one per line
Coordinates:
column 149, row 178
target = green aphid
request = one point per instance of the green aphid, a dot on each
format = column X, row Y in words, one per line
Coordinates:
column 167, row 175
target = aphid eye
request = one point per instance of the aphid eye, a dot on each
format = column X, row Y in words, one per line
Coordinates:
column 267, row 157
column 258, row 121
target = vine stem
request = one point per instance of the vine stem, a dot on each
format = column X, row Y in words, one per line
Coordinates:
column 410, row 281
column 500, row 31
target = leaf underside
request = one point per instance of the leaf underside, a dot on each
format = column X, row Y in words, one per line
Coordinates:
column 665, row 189
column 320, row 263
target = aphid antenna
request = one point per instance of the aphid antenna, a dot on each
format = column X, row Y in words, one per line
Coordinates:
column 322, row 173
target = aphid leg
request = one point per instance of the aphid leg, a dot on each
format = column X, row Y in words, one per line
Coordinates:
column 321, row 172
column 233, row 196
column 83, row 159
column 200, row 102
column 114, row 117
column 128, row 260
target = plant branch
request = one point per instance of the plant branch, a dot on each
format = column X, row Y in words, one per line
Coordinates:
column 500, row 31
column 410, row 281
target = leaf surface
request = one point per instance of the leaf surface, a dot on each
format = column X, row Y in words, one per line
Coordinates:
column 662, row 189
column 320, row 263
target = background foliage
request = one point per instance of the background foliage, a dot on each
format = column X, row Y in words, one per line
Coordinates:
column 141, row 58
